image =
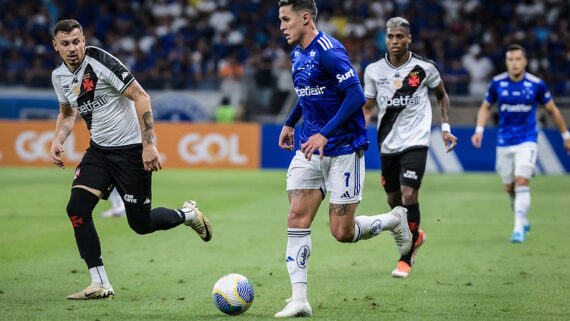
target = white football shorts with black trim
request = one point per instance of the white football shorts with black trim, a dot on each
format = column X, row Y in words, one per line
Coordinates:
column 342, row 176
column 516, row 160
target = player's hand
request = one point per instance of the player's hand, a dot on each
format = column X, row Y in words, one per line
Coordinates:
column 286, row 138
column 55, row 154
column 567, row 146
column 315, row 142
column 150, row 158
column 449, row 140
column 476, row 139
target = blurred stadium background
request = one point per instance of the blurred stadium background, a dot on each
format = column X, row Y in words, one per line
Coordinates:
column 194, row 56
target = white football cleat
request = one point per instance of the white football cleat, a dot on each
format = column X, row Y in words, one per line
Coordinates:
column 198, row 222
column 401, row 232
column 295, row 309
column 93, row 292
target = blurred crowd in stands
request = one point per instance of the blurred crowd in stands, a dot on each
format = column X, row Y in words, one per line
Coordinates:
column 214, row 44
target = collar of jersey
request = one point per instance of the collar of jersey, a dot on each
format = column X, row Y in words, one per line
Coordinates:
column 402, row 66
column 78, row 68
column 310, row 46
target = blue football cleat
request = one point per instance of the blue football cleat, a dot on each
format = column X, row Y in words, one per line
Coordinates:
column 517, row 237
column 526, row 228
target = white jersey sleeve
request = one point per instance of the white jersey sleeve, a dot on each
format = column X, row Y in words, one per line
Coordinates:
column 433, row 78
column 58, row 88
column 369, row 85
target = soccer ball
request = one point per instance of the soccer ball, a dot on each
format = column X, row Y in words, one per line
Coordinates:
column 233, row 294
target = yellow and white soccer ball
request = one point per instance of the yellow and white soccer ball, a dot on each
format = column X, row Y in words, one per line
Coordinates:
column 233, row 294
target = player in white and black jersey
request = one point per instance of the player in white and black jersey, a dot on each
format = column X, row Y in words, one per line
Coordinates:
column 121, row 153
column 398, row 84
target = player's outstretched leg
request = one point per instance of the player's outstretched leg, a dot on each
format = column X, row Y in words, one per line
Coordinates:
column 197, row 221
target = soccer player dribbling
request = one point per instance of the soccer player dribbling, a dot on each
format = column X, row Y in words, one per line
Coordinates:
column 333, row 138
column 517, row 93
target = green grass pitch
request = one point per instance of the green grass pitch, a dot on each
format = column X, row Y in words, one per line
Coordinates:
column 467, row 269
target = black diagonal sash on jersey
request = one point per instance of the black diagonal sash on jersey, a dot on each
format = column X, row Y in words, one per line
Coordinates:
column 86, row 97
column 409, row 86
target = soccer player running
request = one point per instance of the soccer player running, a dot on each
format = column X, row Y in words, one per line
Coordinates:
column 121, row 152
column 399, row 84
column 330, row 102
column 517, row 93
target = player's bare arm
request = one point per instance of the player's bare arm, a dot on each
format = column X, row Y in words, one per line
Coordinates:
column 286, row 138
column 63, row 127
column 368, row 109
column 144, row 112
column 443, row 102
column 482, row 116
column 556, row 116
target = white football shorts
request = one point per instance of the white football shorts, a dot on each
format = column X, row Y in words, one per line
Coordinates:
column 516, row 160
column 342, row 176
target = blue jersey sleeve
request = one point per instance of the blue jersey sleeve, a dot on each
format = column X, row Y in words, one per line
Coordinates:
column 336, row 63
column 352, row 103
column 491, row 96
column 295, row 115
column 543, row 95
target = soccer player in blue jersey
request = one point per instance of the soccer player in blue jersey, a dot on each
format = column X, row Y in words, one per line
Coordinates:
column 517, row 93
column 330, row 102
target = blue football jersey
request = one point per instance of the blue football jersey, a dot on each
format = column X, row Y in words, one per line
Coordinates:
column 516, row 101
column 321, row 72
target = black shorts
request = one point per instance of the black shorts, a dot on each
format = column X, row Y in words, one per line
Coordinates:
column 406, row 168
column 122, row 167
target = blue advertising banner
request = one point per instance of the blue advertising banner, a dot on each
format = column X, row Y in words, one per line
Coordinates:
column 552, row 158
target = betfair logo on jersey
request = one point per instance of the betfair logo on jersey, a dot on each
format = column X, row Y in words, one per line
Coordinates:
column 519, row 108
column 310, row 91
column 399, row 101
column 344, row 77
column 89, row 105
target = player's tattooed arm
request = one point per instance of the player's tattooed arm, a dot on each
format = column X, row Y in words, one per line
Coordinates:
column 148, row 130
column 142, row 105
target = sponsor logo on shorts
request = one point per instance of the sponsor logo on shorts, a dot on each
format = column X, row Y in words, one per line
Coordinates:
column 302, row 256
column 410, row 174
column 130, row 198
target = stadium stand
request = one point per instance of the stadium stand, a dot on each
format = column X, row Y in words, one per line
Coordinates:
column 188, row 44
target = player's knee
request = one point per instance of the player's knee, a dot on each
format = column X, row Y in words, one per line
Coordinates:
column 298, row 220
column 140, row 228
column 343, row 235
column 80, row 206
column 409, row 196
column 394, row 201
column 139, row 218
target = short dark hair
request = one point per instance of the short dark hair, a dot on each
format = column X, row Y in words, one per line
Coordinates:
column 514, row 47
column 66, row 26
column 301, row 5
